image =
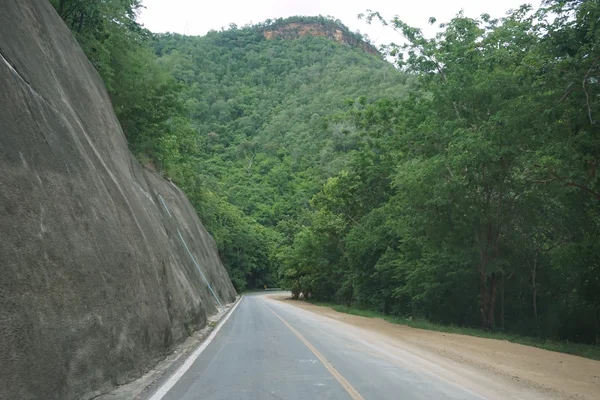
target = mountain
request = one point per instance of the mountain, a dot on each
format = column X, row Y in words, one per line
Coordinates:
column 268, row 103
column 460, row 186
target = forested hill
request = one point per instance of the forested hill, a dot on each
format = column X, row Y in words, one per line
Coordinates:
column 269, row 113
column 461, row 186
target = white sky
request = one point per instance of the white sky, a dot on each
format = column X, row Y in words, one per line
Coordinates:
column 196, row 17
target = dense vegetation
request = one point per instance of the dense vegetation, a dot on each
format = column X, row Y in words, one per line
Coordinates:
column 268, row 137
column 461, row 186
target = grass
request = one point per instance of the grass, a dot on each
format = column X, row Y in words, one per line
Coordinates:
column 578, row 349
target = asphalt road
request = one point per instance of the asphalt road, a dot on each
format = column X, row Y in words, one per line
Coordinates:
column 268, row 349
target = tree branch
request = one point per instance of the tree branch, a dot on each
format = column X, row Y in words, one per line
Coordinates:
column 564, row 96
column 587, row 95
column 574, row 184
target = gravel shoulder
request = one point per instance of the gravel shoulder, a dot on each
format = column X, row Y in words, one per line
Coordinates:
column 552, row 374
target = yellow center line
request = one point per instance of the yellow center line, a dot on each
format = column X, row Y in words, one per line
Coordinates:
column 354, row 394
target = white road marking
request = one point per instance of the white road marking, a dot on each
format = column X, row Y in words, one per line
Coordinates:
column 164, row 389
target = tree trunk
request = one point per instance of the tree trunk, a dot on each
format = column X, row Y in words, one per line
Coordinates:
column 535, row 315
column 489, row 251
column 491, row 320
column 598, row 326
column 81, row 19
column 534, row 284
column 484, row 295
column 502, row 303
column 483, row 290
column 349, row 295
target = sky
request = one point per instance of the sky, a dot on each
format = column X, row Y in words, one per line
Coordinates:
column 197, row 17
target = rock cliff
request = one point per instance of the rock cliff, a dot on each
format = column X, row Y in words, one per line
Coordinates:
column 287, row 29
column 101, row 261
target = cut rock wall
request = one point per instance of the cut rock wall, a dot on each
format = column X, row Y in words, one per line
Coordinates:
column 96, row 284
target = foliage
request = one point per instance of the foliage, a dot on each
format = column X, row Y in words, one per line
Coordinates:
column 245, row 126
column 145, row 96
column 458, row 187
column 474, row 201
column 271, row 128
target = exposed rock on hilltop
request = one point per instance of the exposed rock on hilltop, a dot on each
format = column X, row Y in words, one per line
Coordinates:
column 295, row 27
column 96, row 283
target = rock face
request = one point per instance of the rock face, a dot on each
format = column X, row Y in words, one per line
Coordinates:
column 97, row 280
column 294, row 30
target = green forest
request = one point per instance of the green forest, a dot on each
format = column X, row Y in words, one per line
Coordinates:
column 454, row 179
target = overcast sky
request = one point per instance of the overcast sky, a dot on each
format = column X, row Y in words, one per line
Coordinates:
column 196, row 17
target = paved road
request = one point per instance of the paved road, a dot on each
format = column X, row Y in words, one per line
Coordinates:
column 272, row 350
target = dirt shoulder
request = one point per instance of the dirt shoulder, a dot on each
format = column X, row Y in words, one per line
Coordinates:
column 559, row 375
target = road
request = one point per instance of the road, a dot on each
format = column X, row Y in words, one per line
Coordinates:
column 269, row 349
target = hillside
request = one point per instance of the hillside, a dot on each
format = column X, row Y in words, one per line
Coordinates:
column 424, row 196
column 460, row 187
column 269, row 119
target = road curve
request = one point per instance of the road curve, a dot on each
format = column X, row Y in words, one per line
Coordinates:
column 268, row 349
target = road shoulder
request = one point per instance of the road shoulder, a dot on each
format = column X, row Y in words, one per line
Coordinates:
column 555, row 374
column 145, row 386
